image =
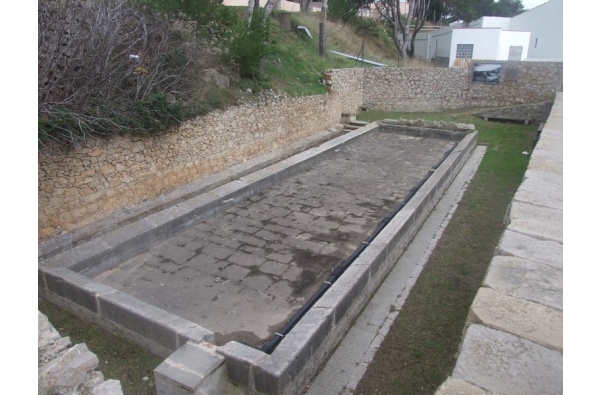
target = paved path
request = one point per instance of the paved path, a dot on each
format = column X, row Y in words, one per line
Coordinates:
column 243, row 273
column 345, row 368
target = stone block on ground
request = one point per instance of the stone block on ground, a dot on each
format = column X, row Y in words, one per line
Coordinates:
column 502, row 363
column 538, row 323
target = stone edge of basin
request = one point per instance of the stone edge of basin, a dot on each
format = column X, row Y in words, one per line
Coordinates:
column 300, row 353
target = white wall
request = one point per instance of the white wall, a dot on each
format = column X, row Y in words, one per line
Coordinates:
column 546, row 27
column 513, row 38
column 491, row 21
column 485, row 42
column 426, row 44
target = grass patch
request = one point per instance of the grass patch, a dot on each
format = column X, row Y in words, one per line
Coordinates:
column 117, row 358
column 423, row 342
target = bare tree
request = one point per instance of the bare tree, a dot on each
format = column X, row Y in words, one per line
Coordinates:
column 415, row 19
column 101, row 64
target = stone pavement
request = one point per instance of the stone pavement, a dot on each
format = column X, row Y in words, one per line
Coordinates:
column 344, row 369
column 244, row 272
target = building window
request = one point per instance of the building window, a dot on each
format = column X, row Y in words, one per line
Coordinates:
column 464, row 51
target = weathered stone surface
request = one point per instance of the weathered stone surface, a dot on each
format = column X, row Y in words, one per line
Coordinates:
column 536, row 181
column 502, row 363
column 538, row 323
column 68, row 370
column 192, row 369
column 64, row 370
column 108, row 387
column 453, row 386
column 540, row 222
column 526, row 279
column 527, row 247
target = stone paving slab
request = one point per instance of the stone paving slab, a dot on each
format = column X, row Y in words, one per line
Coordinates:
column 244, row 272
column 544, row 251
column 538, row 323
column 502, row 363
column 542, row 223
column 528, row 280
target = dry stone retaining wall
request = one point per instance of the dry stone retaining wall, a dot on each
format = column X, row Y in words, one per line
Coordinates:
column 86, row 183
column 438, row 89
column 102, row 176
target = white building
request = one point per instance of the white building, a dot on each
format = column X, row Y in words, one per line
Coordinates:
column 545, row 22
column 533, row 35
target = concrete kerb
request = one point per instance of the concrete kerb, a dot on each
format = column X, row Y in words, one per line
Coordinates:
column 300, row 353
column 138, row 321
column 296, row 359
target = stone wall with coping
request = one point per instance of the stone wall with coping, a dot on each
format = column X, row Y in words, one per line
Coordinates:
column 438, row 89
column 79, row 185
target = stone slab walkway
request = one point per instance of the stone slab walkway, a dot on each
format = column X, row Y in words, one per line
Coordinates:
column 244, row 272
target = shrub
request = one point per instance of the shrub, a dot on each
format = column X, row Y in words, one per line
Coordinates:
column 247, row 45
column 111, row 66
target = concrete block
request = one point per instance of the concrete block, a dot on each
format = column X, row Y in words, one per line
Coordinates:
column 527, row 247
column 232, row 190
column 527, row 280
column 195, row 368
column 502, row 363
column 540, row 222
column 148, row 321
column 78, row 254
column 240, row 360
column 261, row 179
column 188, row 331
column 454, row 386
column 541, row 189
column 345, row 291
column 74, row 287
column 538, row 323
column 297, row 357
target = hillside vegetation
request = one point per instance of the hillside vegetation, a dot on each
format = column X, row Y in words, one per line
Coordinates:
column 142, row 66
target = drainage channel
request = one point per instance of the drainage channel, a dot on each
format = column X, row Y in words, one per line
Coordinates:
column 270, row 346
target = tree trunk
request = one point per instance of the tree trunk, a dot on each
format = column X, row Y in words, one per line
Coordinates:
column 269, row 7
column 322, row 32
column 304, row 5
column 249, row 12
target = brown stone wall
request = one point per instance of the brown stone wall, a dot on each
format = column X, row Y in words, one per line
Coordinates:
column 82, row 184
column 438, row 89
